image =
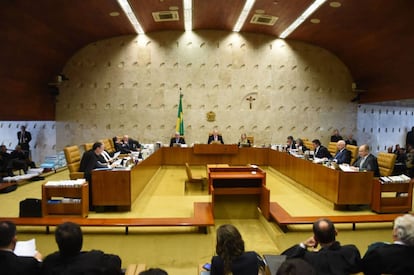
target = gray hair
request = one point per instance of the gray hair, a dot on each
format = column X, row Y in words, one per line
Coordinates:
column 404, row 229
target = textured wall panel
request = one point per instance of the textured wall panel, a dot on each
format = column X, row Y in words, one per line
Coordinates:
column 130, row 85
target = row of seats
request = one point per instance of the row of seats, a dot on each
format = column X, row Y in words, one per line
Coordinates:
column 73, row 156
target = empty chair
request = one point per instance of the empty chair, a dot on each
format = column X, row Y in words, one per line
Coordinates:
column 386, row 163
column 332, row 148
column 354, row 152
column 190, row 178
column 73, row 158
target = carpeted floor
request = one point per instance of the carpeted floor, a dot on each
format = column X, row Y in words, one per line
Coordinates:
column 181, row 250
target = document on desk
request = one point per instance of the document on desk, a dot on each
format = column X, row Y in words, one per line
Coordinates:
column 348, row 168
column 25, row 248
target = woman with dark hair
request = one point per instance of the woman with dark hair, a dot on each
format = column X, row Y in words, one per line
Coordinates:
column 231, row 257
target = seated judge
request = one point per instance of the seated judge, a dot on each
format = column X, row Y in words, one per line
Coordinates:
column 320, row 151
column 244, row 142
column 177, row 140
column 290, row 143
column 129, row 144
column 366, row 161
column 301, row 146
column 396, row 257
column 215, row 138
column 343, row 155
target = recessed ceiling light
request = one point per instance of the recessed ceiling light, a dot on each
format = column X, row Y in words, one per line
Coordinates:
column 335, row 4
column 114, row 13
column 173, row 8
column 315, row 21
column 260, row 11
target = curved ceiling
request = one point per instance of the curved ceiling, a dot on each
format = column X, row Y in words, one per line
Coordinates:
column 374, row 38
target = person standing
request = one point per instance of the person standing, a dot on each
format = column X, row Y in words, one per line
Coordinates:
column 23, row 138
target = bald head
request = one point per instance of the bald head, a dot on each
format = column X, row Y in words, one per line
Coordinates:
column 340, row 144
column 324, row 231
column 363, row 150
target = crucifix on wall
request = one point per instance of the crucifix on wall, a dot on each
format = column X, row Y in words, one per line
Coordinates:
column 250, row 99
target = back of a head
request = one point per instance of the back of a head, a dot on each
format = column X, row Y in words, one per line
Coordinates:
column 230, row 245
column 296, row 266
column 404, row 229
column 324, row 231
column 154, row 271
column 69, row 239
column 7, row 233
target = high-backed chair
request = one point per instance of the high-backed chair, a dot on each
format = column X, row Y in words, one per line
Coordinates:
column 386, row 163
column 108, row 147
column 354, row 152
column 191, row 179
column 251, row 140
column 73, row 157
column 88, row 146
column 332, row 148
column 307, row 143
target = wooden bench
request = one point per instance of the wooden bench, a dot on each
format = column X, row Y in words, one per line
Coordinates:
column 135, row 269
column 202, row 218
column 283, row 218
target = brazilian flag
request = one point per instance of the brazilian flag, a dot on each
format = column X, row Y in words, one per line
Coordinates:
column 179, row 126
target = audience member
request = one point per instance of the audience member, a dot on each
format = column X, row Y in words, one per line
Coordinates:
column 177, row 140
column 409, row 163
column 366, row 161
column 71, row 260
column 244, row 142
column 23, row 139
column 350, row 140
column 231, row 257
column 393, row 258
column 153, row 271
column 389, row 150
column 10, row 263
column 4, row 161
column 336, row 136
column 320, row 151
column 409, row 140
column 301, row 146
column 295, row 266
column 290, row 143
column 332, row 258
column 343, row 155
column 20, row 160
column 91, row 160
column 215, row 138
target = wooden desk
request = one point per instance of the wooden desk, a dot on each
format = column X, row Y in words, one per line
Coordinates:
column 122, row 187
column 239, row 180
column 341, row 188
column 392, row 204
column 214, row 149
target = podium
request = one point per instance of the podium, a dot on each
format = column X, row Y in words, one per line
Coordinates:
column 399, row 203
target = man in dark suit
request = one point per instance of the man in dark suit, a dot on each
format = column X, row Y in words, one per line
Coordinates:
column 396, row 257
column 91, row 160
column 24, row 137
column 332, row 258
column 366, row 161
column 130, row 144
column 71, row 260
column 215, row 138
column 177, row 140
column 319, row 150
column 342, row 155
column 290, row 143
column 10, row 263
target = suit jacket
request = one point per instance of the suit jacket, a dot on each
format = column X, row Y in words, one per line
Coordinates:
column 323, row 152
column 343, row 156
column 389, row 259
column 90, row 161
column 24, row 141
column 332, row 260
column 12, row 264
column 370, row 164
column 174, row 141
column 89, row 263
column 219, row 139
column 247, row 264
